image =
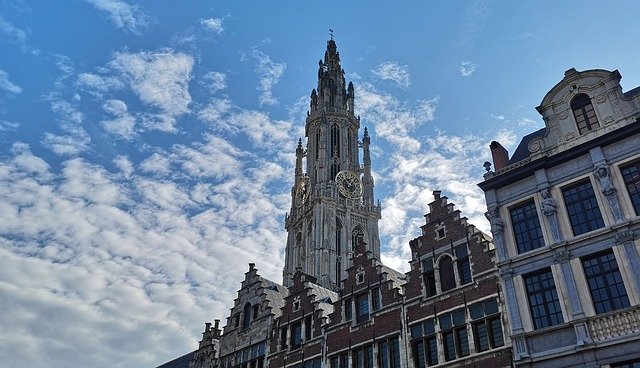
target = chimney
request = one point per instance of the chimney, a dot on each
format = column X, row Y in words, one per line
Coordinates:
column 500, row 156
column 436, row 194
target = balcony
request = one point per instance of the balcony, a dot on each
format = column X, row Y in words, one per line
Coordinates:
column 615, row 325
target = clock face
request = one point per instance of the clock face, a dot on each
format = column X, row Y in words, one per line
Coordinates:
column 349, row 184
column 302, row 191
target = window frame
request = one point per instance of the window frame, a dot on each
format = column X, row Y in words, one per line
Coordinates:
column 584, row 113
column 526, row 226
column 545, row 294
column 633, row 187
column 604, row 276
column 584, row 204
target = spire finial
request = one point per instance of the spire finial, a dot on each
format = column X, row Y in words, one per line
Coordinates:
column 331, row 33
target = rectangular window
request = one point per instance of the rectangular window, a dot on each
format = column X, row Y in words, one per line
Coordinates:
column 526, row 227
column 256, row 309
column 348, row 314
column 631, row 177
column 375, row 299
column 464, row 266
column 455, row 339
column 389, row 353
column 362, row 308
column 605, row 282
column 283, row 338
column 425, row 349
column 486, row 325
column 308, row 332
column 543, row 299
column 363, row 357
column 296, row 334
column 429, row 277
column 582, row 207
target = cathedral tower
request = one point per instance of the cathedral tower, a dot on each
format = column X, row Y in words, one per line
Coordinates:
column 332, row 202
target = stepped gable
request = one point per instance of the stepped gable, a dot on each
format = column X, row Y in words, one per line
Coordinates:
column 444, row 235
column 370, row 306
column 258, row 303
column 298, row 331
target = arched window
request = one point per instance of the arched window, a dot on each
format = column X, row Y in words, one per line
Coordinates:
column 335, row 169
column 338, row 237
column 447, row 278
column 584, row 113
column 318, row 136
column 349, row 143
column 246, row 316
column 335, row 141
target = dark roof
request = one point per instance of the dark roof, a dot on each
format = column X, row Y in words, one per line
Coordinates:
column 182, row 362
column 632, row 93
column 522, row 151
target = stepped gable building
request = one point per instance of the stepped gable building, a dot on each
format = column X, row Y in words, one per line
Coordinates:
column 338, row 305
column 564, row 212
column 452, row 300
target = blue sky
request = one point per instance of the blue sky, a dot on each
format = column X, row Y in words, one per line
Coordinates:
column 146, row 148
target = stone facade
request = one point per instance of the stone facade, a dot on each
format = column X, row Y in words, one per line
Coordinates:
column 564, row 214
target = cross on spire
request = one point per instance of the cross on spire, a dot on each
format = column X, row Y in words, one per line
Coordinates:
column 331, row 33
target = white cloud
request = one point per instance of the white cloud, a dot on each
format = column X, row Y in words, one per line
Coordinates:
column 270, row 73
column 529, row 123
column 7, row 85
column 395, row 72
column 467, row 68
column 76, row 139
column 215, row 81
column 394, row 120
column 123, row 124
column 99, row 84
column 123, row 15
column 16, row 35
column 212, row 24
column 160, row 79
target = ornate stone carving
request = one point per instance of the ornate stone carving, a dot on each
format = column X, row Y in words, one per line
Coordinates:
column 497, row 230
column 549, row 206
column 562, row 256
column 609, row 190
column 534, row 145
column 569, row 136
column 563, row 115
column 602, row 98
column 609, row 120
column 624, row 236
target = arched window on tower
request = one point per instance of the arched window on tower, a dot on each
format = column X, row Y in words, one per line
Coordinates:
column 447, row 278
column 338, row 237
column 584, row 113
column 335, row 169
column 349, row 144
column 246, row 316
column 335, row 141
column 318, row 136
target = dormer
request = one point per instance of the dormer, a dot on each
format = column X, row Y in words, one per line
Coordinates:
column 582, row 106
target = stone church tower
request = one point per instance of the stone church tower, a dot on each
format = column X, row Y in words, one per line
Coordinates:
column 332, row 202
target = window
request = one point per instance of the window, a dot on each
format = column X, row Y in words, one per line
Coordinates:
column 389, row 353
column 362, row 308
column 246, row 316
column 605, row 282
column 283, row 338
column 425, row 343
column 628, row 364
column 487, row 326
column 296, row 334
column 335, row 142
column 375, row 299
column 526, row 227
column 631, row 177
column 350, row 143
column 236, row 321
column 447, row 278
column 429, row 277
column 347, row 309
column 363, row 357
column 543, row 299
column 256, row 310
column 335, row 169
column 582, row 207
column 455, row 339
column 308, row 332
column 464, row 266
column 584, row 113
column 318, row 143
column 356, row 235
column 441, row 231
column 339, row 361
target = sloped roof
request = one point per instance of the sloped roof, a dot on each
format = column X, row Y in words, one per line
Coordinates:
column 522, row 151
column 181, row 362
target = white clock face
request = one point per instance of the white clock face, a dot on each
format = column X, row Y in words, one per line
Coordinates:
column 302, row 191
column 349, row 184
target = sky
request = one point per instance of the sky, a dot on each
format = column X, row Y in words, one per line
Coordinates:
column 147, row 147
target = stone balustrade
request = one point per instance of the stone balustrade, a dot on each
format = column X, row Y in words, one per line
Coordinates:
column 615, row 325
